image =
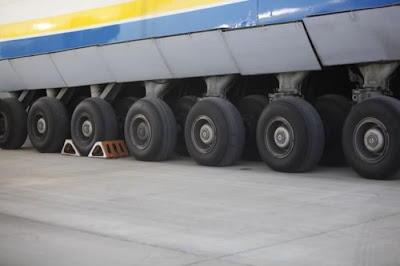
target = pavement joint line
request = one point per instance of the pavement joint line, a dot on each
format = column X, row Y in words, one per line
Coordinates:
column 99, row 234
column 295, row 239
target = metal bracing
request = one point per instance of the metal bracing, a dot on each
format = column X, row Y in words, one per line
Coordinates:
column 22, row 96
column 218, row 86
column 26, row 97
column 375, row 80
column 95, row 91
column 111, row 91
column 51, row 92
column 157, row 88
column 64, row 94
column 107, row 92
column 289, row 84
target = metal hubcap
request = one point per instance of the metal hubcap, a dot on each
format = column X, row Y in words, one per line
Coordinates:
column 143, row 131
column 279, row 137
column 204, row 134
column 140, row 129
column 207, row 134
column 374, row 140
column 282, row 137
column 371, row 140
column 41, row 125
column 87, row 128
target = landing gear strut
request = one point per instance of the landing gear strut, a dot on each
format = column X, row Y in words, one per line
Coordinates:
column 290, row 133
column 214, row 131
column 371, row 132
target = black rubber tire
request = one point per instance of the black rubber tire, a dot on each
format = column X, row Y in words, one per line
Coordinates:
column 386, row 110
column 250, row 108
column 333, row 110
column 161, row 127
column 121, row 107
column 181, row 109
column 13, row 130
column 308, row 131
column 56, row 117
column 104, row 123
column 229, row 128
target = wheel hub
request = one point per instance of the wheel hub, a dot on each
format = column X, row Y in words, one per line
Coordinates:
column 282, row 137
column 203, row 134
column 142, row 131
column 279, row 137
column 374, row 140
column 207, row 134
column 371, row 140
column 87, row 128
column 41, row 125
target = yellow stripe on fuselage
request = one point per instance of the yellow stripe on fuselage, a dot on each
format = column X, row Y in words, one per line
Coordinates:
column 102, row 15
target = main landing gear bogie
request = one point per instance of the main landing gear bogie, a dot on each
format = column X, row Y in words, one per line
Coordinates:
column 284, row 130
column 371, row 141
column 150, row 130
column 13, row 124
column 251, row 107
column 333, row 110
column 93, row 120
column 181, row 108
column 214, row 132
column 48, row 125
column 290, row 135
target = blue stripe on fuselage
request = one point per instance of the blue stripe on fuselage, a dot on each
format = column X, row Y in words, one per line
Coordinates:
column 237, row 15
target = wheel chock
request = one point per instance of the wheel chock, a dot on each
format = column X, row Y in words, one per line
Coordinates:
column 109, row 149
column 70, row 149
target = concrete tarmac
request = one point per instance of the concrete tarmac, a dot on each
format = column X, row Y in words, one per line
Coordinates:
column 60, row 210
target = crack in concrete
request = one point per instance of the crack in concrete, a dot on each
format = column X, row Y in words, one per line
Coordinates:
column 99, row 234
column 295, row 239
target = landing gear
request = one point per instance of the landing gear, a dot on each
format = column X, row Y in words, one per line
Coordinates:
column 13, row 119
column 93, row 120
column 290, row 135
column 48, row 125
column 333, row 110
column 214, row 132
column 181, row 109
column 371, row 132
column 121, row 107
column 371, row 140
column 74, row 103
column 150, row 130
column 250, row 107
